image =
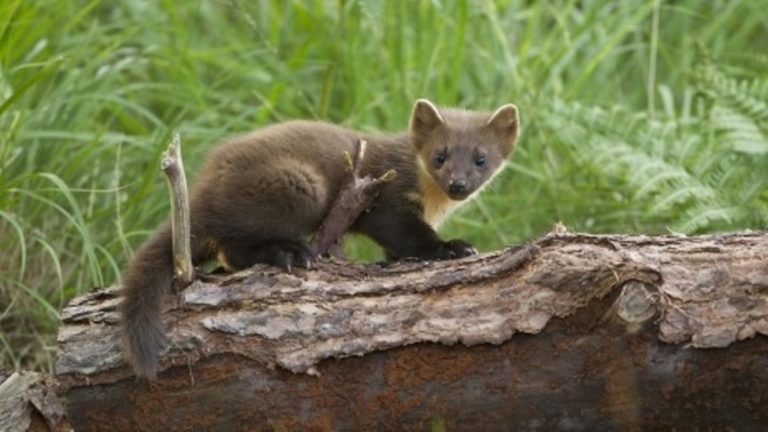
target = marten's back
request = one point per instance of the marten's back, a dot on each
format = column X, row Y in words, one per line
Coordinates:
column 310, row 147
column 314, row 143
column 284, row 178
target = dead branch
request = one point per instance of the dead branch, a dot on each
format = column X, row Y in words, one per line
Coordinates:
column 28, row 402
column 355, row 196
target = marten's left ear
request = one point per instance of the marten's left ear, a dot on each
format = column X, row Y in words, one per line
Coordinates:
column 425, row 117
column 505, row 122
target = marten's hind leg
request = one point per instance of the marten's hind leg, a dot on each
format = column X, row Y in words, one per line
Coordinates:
column 285, row 254
column 262, row 213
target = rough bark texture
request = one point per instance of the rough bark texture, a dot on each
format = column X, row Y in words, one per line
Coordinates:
column 630, row 332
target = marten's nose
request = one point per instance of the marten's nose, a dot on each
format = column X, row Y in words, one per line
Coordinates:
column 457, row 186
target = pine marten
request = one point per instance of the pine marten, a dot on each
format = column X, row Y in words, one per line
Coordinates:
column 260, row 196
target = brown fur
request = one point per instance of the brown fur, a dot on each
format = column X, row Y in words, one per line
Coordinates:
column 260, row 196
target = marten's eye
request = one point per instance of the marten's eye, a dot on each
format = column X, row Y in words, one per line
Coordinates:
column 439, row 159
column 480, row 160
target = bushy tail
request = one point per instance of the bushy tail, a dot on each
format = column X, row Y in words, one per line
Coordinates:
column 148, row 278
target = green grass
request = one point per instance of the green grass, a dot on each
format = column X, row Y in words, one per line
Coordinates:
column 641, row 116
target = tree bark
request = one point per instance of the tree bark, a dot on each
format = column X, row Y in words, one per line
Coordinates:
column 631, row 333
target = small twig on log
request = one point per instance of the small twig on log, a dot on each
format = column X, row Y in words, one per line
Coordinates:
column 355, row 196
column 173, row 168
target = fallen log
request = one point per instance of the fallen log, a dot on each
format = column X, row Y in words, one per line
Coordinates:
column 568, row 331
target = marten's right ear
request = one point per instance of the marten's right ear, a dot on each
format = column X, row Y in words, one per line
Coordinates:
column 425, row 118
column 505, row 121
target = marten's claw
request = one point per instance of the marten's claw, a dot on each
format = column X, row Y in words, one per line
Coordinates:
column 284, row 259
column 291, row 255
column 458, row 249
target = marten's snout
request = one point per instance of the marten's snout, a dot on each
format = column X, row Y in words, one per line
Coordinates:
column 457, row 186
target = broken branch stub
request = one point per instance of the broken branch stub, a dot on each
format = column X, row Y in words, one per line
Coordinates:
column 173, row 167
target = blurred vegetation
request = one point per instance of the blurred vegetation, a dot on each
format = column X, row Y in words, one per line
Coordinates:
column 639, row 117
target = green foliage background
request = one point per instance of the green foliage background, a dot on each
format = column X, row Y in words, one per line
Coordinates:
column 642, row 116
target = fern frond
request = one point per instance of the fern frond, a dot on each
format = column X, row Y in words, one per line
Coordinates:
column 748, row 97
column 741, row 131
column 690, row 174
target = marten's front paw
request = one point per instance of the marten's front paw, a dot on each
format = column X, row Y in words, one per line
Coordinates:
column 456, row 249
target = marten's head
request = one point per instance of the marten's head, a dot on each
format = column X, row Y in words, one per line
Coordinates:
column 462, row 150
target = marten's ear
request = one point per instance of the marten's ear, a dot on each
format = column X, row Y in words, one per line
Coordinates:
column 425, row 117
column 505, row 122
